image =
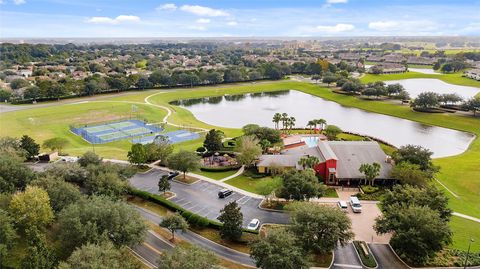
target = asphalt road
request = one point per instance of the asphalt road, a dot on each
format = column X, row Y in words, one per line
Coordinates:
column 152, row 247
column 385, row 257
column 346, row 258
column 201, row 198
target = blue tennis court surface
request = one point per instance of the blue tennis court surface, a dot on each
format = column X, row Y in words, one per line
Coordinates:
column 108, row 132
column 174, row 137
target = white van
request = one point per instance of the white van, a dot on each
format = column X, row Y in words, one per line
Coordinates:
column 355, row 204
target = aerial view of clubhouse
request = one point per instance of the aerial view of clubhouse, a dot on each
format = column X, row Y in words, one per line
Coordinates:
column 338, row 161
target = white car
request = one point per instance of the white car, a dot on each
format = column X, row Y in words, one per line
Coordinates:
column 343, row 206
column 253, row 225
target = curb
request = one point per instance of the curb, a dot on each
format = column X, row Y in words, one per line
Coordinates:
column 371, row 253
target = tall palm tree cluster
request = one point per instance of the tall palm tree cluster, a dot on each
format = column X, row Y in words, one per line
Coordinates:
column 312, row 124
column 287, row 122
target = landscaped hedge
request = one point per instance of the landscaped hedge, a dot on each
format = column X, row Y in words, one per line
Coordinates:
column 192, row 218
column 367, row 257
column 219, row 168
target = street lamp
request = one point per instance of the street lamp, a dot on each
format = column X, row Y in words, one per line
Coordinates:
column 468, row 252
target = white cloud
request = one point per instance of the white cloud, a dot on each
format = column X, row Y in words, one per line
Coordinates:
column 340, row 27
column 117, row 20
column 198, row 27
column 203, row 20
column 337, row 1
column 19, row 2
column 232, row 23
column 167, row 7
column 383, row 25
column 204, row 11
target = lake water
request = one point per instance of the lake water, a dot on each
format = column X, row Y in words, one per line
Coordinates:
column 424, row 70
column 236, row 111
column 415, row 86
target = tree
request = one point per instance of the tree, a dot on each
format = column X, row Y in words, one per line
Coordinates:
column 231, row 217
column 7, row 235
column 137, row 154
column 106, row 183
column 31, row 208
column 277, row 117
column 319, row 227
column 321, row 122
column 426, row 100
column 19, row 83
column 55, row 144
column 284, row 120
column 415, row 155
column 143, row 83
column 174, row 222
column 97, row 219
column 278, row 249
column 14, row 174
column 329, row 79
column 28, row 144
column 248, row 149
column 213, row 140
column 371, row 171
column 473, row 105
column 449, row 98
column 160, row 149
column 89, row 158
column 418, row 232
column 308, row 161
column 301, row 185
column 40, row 255
column 61, row 193
column 103, row 255
column 5, row 95
column 410, row 174
column 164, row 184
column 268, row 187
column 332, row 131
column 405, row 196
column 192, row 257
column 394, row 89
column 184, row 161
column 352, row 86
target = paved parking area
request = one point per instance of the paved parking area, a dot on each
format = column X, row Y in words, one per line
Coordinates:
column 201, row 198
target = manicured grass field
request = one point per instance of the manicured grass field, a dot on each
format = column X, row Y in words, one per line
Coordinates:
column 455, row 78
column 465, row 229
column 247, row 183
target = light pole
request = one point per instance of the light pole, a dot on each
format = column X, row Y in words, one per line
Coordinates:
column 468, row 253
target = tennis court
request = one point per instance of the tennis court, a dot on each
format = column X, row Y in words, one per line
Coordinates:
column 174, row 137
column 113, row 131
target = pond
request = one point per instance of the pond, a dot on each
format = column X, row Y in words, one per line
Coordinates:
column 236, row 111
column 424, row 71
column 415, row 86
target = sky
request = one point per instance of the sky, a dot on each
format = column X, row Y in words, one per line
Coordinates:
column 244, row 18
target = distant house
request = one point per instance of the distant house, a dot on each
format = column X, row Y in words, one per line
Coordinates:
column 339, row 161
column 394, row 58
column 473, row 74
column 389, row 68
column 420, row 60
column 25, row 72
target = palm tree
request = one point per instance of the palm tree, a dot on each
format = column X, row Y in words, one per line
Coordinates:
column 291, row 122
column 371, row 171
column 311, row 124
column 308, row 162
column 284, row 120
column 321, row 122
column 276, row 119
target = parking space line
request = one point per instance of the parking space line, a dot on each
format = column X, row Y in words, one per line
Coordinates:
column 245, row 201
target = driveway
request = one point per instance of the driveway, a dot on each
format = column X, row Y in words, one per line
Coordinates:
column 346, row 258
column 201, row 198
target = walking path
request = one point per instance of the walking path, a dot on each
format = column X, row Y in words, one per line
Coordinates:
column 239, row 172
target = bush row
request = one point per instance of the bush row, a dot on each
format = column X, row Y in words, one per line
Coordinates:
column 367, row 258
column 219, row 168
column 192, row 218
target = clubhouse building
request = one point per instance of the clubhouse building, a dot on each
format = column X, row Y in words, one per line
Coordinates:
column 339, row 161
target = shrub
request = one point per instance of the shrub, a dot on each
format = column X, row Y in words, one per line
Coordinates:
column 364, row 253
column 219, row 168
column 367, row 189
column 201, row 149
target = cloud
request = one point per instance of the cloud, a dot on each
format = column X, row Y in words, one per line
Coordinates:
column 383, row 25
column 117, row 20
column 204, row 11
column 203, row 20
column 232, row 23
column 340, row 27
column 167, row 7
column 337, row 1
column 197, row 27
column 19, row 2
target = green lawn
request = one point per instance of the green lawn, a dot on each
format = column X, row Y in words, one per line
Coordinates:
column 455, row 78
column 247, row 183
column 464, row 230
column 216, row 175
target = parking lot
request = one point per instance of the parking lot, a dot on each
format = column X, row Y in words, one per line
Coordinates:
column 202, row 199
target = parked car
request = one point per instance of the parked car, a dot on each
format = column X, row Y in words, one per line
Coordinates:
column 224, row 193
column 355, row 204
column 253, row 225
column 172, row 175
column 343, row 206
column 69, row 159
